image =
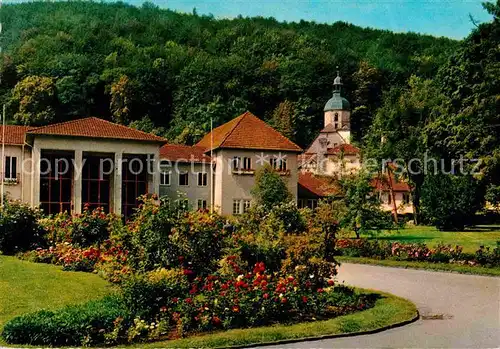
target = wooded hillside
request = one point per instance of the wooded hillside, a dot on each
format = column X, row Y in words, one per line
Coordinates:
column 171, row 72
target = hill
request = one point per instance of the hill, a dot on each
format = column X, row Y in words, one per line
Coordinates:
column 170, row 72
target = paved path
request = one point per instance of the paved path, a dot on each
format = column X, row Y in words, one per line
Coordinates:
column 470, row 304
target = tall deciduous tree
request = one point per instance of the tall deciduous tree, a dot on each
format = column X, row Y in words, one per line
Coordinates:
column 397, row 133
column 33, row 100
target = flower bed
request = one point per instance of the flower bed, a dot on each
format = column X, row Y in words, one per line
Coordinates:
column 164, row 305
column 485, row 257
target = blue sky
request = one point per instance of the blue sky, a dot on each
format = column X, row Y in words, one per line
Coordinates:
column 436, row 17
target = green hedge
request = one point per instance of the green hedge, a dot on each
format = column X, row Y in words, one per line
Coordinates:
column 73, row 325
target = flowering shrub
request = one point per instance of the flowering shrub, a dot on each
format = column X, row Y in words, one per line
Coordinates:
column 19, row 228
column 417, row 252
column 83, row 230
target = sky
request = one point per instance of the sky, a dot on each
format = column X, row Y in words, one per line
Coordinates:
column 448, row 18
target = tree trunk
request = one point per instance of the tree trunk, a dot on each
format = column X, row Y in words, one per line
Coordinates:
column 393, row 197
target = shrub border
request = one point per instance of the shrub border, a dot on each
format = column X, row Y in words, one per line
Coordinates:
column 406, row 306
column 427, row 266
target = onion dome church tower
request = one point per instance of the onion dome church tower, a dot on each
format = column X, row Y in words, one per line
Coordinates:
column 338, row 111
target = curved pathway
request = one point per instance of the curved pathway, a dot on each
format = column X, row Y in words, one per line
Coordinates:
column 468, row 305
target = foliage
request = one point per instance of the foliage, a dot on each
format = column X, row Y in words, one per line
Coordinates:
column 362, row 206
column 418, row 252
column 450, row 201
column 33, row 100
column 89, row 228
column 19, row 228
column 124, row 62
column 269, row 189
column 73, row 325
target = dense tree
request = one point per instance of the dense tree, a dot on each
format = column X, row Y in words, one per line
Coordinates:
column 397, row 134
column 33, row 100
column 450, row 201
column 269, row 189
column 362, row 206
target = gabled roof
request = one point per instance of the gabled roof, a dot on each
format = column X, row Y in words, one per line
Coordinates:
column 14, row 135
column 95, row 128
column 183, row 153
column 346, row 148
column 247, row 132
column 328, row 129
column 320, row 186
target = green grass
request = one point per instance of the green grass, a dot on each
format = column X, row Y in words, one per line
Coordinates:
column 462, row 269
column 389, row 310
column 27, row 287
column 469, row 239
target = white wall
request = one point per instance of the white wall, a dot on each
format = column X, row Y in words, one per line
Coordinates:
column 192, row 191
column 230, row 186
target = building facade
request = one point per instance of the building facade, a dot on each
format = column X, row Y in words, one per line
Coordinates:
column 82, row 163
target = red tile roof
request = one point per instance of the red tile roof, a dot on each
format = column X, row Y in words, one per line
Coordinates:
column 383, row 184
column 14, row 135
column 183, row 153
column 247, row 132
column 328, row 129
column 95, row 128
column 346, row 149
column 318, row 185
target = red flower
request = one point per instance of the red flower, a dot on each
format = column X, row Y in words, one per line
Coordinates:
column 189, row 301
column 284, row 300
column 163, row 309
column 175, row 300
column 304, row 299
column 265, row 296
column 320, row 290
column 308, row 283
column 330, row 282
column 236, row 309
column 291, row 278
column 216, row 321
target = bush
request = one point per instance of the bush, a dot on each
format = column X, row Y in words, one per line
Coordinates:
column 19, row 228
column 81, row 230
column 75, row 325
column 146, row 294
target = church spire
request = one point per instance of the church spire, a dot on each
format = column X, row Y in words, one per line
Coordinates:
column 337, row 82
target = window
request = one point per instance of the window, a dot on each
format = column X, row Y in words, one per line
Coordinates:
column 165, row 178
column 336, row 117
column 386, row 198
column 312, row 203
column 10, row 167
column 202, row 204
column 184, row 179
column 247, row 163
column 246, row 205
column 202, row 179
column 236, row 207
column 336, row 125
column 236, row 163
column 274, row 163
column 300, row 203
column 283, row 165
column 406, row 198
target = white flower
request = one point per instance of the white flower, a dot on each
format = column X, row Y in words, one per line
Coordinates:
column 240, row 277
column 281, row 295
column 311, row 276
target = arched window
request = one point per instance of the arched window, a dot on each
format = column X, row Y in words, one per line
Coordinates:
column 336, row 117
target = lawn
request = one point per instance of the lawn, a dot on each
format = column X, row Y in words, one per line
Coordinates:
column 469, row 239
column 26, row 287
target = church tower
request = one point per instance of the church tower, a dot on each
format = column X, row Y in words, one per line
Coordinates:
column 338, row 111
